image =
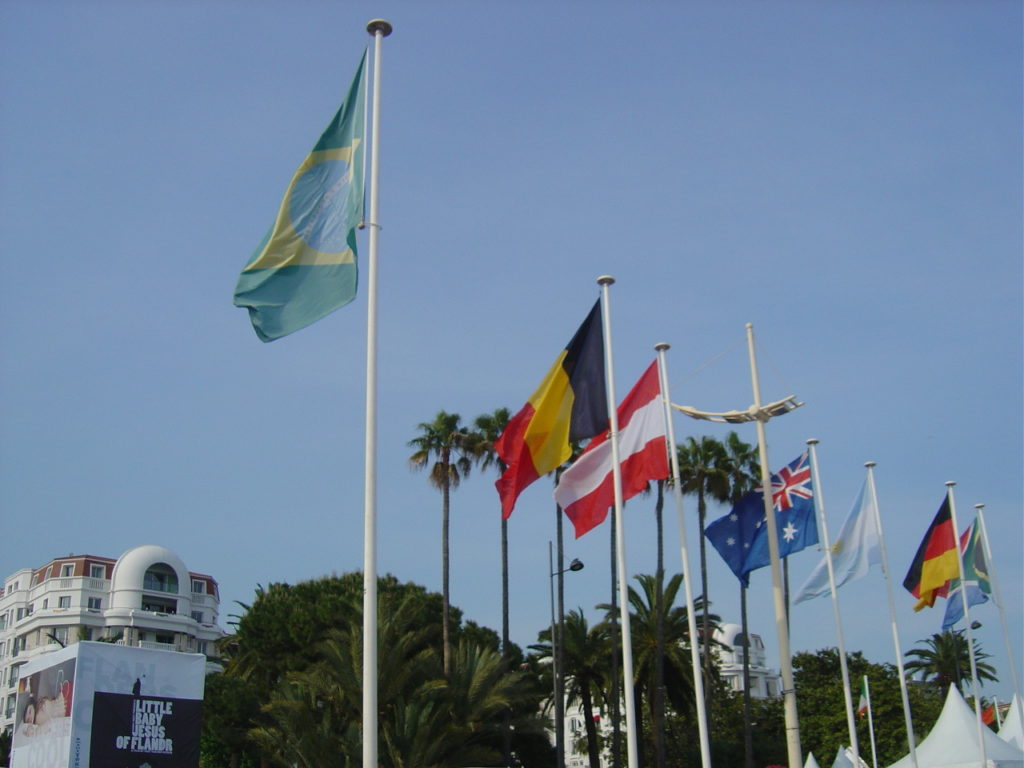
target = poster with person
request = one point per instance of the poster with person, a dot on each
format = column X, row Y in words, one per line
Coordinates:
column 124, row 707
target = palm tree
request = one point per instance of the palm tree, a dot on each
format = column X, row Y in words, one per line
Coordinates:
column 946, row 660
column 704, row 473
column 585, row 655
column 445, row 439
column 743, row 468
column 489, row 427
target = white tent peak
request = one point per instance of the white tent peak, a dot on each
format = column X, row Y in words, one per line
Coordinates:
column 1011, row 730
column 811, row 762
column 953, row 741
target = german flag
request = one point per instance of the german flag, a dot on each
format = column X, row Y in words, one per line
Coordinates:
column 571, row 404
column 935, row 562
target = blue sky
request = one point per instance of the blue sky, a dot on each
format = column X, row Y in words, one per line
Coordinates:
column 846, row 176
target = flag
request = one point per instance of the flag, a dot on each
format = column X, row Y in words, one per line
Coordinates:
column 975, row 576
column 570, row 404
column 935, row 562
column 863, row 704
column 305, row 268
column 741, row 537
column 585, row 490
column 854, row 550
column 988, row 715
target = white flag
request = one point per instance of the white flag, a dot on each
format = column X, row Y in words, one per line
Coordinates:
column 854, row 551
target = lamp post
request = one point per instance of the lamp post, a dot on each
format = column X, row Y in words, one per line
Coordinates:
column 760, row 414
column 556, row 655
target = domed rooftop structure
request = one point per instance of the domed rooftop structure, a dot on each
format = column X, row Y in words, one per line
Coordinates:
column 153, row 569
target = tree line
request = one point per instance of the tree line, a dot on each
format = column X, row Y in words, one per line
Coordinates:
column 453, row 693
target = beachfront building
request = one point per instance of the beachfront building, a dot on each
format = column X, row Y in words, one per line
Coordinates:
column 145, row 598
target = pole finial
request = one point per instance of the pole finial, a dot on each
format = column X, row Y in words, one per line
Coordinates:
column 662, row 346
column 813, row 441
column 950, row 483
column 605, row 280
column 870, row 464
column 379, row 25
column 979, row 506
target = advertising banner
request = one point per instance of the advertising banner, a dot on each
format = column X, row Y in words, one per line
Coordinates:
column 123, row 707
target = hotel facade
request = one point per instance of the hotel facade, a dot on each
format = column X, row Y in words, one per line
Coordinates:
column 145, row 598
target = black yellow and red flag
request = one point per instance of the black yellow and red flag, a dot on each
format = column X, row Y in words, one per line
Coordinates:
column 935, row 562
column 571, row 404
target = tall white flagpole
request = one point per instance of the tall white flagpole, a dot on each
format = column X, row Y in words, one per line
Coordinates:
column 967, row 622
column 819, row 505
column 892, row 616
column 781, row 624
column 379, row 29
column 871, row 723
column 1002, row 613
column 613, row 430
column 691, row 618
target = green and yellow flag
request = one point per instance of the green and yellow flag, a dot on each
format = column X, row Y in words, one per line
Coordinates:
column 305, row 268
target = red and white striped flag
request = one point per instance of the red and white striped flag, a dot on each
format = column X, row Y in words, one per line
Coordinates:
column 585, row 490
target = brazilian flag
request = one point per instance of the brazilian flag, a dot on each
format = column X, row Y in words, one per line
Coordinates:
column 305, row 268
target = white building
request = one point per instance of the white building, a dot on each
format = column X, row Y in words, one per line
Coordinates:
column 764, row 682
column 146, row 598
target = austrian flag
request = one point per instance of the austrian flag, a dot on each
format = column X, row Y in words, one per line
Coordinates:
column 586, row 491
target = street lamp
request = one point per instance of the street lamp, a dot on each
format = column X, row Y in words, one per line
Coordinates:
column 558, row 680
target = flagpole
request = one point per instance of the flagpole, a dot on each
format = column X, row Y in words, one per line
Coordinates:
column 691, row 618
column 989, row 561
column 819, row 505
column 379, row 29
column 871, row 723
column 613, row 430
column 781, row 628
column 967, row 622
column 995, row 711
column 892, row 616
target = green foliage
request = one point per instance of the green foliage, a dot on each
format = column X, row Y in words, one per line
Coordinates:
column 945, row 660
column 823, row 728
column 291, row 690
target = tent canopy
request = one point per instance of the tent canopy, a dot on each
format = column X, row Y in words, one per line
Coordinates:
column 1011, row 730
column 953, row 742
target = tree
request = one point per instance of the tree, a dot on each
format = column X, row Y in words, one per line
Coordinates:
column 445, row 439
column 704, row 473
column 489, row 427
column 819, row 687
column 311, row 705
column 585, row 653
column 945, row 659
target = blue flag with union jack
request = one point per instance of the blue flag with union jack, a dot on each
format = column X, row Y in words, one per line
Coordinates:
column 741, row 537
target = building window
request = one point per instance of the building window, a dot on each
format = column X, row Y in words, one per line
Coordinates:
column 197, row 616
column 95, row 603
column 64, row 601
column 97, row 572
column 49, row 571
column 20, row 614
column 198, row 587
column 67, row 570
column 59, row 635
column 200, row 646
column 161, row 578
column 46, row 603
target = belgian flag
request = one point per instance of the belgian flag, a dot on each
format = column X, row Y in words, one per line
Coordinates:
column 935, row 562
column 571, row 404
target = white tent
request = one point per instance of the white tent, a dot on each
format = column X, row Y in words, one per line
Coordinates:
column 953, row 742
column 811, row 762
column 1011, row 731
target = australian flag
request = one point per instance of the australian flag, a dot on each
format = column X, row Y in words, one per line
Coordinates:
column 741, row 537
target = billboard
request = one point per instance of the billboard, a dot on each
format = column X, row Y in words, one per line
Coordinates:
column 98, row 705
